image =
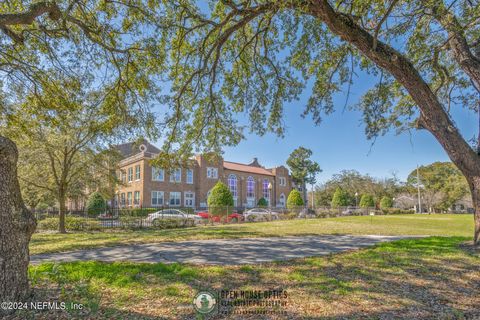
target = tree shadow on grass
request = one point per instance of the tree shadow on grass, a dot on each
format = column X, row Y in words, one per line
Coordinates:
column 431, row 278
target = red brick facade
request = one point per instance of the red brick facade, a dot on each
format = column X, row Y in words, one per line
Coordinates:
column 147, row 186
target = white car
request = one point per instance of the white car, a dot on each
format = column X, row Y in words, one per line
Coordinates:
column 260, row 214
column 161, row 217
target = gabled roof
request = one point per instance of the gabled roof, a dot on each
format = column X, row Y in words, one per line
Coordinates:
column 246, row 168
column 132, row 148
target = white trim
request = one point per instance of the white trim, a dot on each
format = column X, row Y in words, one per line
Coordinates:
column 170, row 198
column 154, row 176
column 186, row 176
column 192, row 199
column 163, row 198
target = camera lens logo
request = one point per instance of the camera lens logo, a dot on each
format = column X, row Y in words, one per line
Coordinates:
column 204, row 302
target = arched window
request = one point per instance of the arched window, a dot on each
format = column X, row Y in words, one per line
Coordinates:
column 232, row 184
column 250, row 187
column 282, row 200
column 265, row 190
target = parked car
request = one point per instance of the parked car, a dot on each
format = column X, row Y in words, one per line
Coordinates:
column 233, row 217
column 162, row 217
column 307, row 213
column 348, row 212
column 260, row 214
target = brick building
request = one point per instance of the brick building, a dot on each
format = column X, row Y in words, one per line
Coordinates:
column 144, row 185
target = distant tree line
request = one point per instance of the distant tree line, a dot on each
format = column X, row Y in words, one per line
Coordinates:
column 441, row 186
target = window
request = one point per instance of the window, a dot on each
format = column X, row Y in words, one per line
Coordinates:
column 122, row 199
column 123, row 176
column 282, row 200
column 189, row 176
column 266, row 191
column 189, row 199
column 176, row 175
column 250, row 187
column 129, row 199
column 136, row 198
column 157, row 198
column 232, row 185
column 282, row 181
column 175, row 198
column 130, row 174
column 137, row 172
column 158, row 174
column 212, row 173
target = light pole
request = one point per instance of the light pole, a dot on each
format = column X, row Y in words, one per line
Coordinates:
column 356, row 199
column 270, row 187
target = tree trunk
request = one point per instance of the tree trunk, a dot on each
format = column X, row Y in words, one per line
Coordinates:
column 61, row 203
column 433, row 116
column 475, row 189
column 16, row 227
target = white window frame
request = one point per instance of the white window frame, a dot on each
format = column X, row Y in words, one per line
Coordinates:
column 282, row 181
column 186, row 199
column 212, row 173
column 129, row 199
column 136, row 201
column 189, row 177
column 174, row 174
column 162, row 198
column 130, row 174
column 179, row 199
column 155, row 174
column 138, row 173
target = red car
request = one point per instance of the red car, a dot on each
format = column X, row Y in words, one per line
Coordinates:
column 232, row 217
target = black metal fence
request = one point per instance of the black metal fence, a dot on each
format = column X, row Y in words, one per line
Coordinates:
column 178, row 217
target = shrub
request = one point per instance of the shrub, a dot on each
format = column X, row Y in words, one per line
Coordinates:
column 294, row 199
column 220, row 200
column 397, row 211
column 262, row 202
column 71, row 223
column 367, row 201
column 340, row 198
column 386, row 202
column 96, row 204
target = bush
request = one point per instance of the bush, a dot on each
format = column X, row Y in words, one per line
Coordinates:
column 397, row 211
column 386, row 202
column 262, row 202
column 96, row 204
column 137, row 212
column 71, row 223
column 367, row 201
column 340, row 198
column 294, row 199
column 220, row 200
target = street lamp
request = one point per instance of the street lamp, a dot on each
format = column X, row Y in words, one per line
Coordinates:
column 356, row 199
column 270, row 187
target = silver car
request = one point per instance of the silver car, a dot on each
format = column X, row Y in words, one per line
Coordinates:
column 260, row 214
column 177, row 216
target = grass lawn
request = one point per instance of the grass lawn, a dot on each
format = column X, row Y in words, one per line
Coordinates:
column 428, row 278
column 435, row 225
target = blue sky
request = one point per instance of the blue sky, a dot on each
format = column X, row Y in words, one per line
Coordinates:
column 339, row 142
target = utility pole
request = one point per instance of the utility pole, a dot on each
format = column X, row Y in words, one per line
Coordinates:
column 418, row 189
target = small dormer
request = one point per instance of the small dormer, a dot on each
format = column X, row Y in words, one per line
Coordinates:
column 255, row 163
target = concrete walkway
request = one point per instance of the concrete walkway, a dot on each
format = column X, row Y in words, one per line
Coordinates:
column 221, row 251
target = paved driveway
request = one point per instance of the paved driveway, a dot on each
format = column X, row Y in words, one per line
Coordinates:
column 221, row 251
